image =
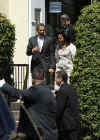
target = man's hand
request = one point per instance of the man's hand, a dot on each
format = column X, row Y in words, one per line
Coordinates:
column 2, row 82
column 51, row 71
column 36, row 49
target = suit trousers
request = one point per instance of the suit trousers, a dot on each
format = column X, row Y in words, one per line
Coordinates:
column 49, row 78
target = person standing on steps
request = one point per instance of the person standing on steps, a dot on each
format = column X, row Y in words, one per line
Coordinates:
column 66, row 26
column 41, row 47
column 68, row 110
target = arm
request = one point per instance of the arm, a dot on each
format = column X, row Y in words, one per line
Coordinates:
column 71, row 118
column 56, row 55
column 73, row 50
column 6, row 121
column 28, row 94
column 32, row 48
column 68, row 121
column 72, row 33
column 29, row 47
column 52, row 55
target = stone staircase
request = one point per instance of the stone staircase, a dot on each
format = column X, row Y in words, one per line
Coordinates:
column 15, row 111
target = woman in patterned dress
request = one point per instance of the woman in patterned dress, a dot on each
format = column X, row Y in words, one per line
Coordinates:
column 65, row 53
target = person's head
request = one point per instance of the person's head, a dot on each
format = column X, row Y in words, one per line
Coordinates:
column 63, row 38
column 65, row 20
column 37, row 75
column 41, row 29
column 61, row 76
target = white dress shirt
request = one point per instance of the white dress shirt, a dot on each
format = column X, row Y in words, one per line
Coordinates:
column 40, row 42
column 2, row 82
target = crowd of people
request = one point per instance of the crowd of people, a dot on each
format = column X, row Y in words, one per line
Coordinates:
column 56, row 116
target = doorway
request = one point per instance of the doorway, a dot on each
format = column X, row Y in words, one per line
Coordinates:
column 36, row 10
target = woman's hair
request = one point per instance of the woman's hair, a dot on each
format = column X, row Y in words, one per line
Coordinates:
column 63, row 75
column 65, row 34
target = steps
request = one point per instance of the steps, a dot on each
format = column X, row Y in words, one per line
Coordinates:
column 15, row 111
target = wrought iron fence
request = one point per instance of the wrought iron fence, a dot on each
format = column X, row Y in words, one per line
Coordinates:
column 20, row 75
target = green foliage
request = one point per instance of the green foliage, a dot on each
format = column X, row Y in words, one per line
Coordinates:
column 86, row 75
column 7, row 43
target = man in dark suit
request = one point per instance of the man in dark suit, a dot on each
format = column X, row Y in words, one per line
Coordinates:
column 7, row 125
column 41, row 47
column 41, row 105
column 68, row 118
column 67, row 27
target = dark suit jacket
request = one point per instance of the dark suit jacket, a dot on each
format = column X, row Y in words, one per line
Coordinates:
column 47, row 54
column 41, row 105
column 68, row 30
column 7, row 124
column 68, row 118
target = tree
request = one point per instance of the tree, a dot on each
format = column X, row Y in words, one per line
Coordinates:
column 86, row 75
column 7, row 43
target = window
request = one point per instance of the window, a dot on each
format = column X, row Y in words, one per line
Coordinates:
column 37, row 15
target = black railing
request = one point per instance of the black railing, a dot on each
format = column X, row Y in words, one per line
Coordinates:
column 20, row 75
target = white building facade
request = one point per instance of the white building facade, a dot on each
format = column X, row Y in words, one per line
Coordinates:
column 24, row 14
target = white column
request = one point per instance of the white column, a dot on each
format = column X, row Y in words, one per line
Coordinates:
column 29, row 35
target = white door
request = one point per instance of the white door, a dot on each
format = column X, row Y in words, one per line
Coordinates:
column 36, row 15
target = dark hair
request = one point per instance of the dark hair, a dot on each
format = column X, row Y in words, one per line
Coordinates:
column 38, row 73
column 65, row 34
column 38, row 26
column 65, row 16
column 63, row 75
column 59, row 31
